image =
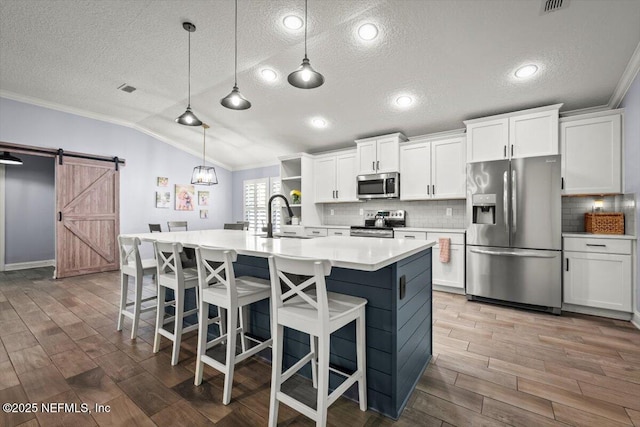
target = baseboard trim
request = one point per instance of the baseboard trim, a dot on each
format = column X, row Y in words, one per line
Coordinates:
column 448, row 289
column 30, row 264
column 635, row 320
column 601, row 312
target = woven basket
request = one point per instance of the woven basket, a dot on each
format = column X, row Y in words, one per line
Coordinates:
column 604, row 223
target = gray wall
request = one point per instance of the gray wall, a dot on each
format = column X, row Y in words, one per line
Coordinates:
column 239, row 177
column 30, row 199
column 147, row 158
column 631, row 105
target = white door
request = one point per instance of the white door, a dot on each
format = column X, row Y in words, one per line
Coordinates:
column 387, row 154
column 591, row 155
column 346, row 174
column 598, row 280
column 325, row 179
column 534, row 134
column 487, row 140
column 367, row 157
column 415, row 171
column 448, row 169
column 451, row 273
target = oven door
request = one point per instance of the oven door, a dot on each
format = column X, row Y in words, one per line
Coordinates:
column 371, row 187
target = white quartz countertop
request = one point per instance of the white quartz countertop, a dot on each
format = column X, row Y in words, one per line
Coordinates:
column 432, row 230
column 357, row 253
column 586, row 235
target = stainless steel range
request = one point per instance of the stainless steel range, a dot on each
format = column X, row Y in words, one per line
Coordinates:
column 379, row 224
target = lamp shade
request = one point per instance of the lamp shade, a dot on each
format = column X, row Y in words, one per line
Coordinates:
column 7, row 159
column 204, row 175
column 235, row 100
column 188, row 118
column 305, row 77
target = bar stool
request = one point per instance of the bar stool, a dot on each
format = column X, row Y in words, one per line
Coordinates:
column 171, row 275
column 131, row 265
column 317, row 313
column 219, row 286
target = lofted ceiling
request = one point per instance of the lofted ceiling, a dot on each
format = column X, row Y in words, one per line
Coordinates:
column 456, row 58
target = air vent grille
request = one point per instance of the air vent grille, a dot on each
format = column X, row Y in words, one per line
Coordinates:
column 126, row 88
column 553, row 5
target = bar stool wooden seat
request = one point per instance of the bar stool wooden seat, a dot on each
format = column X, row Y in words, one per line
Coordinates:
column 317, row 313
column 219, row 286
column 171, row 275
column 131, row 265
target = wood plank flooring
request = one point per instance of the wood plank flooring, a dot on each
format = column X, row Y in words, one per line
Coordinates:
column 492, row 366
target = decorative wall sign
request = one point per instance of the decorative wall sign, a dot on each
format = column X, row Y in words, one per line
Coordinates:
column 203, row 198
column 185, row 197
column 163, row 181
column 163, row 199
column 204, row 213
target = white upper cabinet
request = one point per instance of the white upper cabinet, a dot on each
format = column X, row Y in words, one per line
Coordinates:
column 379, row 154
column 591, row 147
column 527, row 133
column 335, row 177
column 433, row 169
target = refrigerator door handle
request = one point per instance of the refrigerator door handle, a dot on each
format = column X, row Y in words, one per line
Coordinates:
column 505, row 205
column 511, row 253
column 514, row 203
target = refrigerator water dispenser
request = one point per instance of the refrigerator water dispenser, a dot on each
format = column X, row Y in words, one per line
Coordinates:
column 484, row 209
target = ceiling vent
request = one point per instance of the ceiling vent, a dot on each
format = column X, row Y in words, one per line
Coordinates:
column 549, row 6
column 126, row 88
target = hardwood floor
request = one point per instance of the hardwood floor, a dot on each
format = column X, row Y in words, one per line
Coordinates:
column 492, row 366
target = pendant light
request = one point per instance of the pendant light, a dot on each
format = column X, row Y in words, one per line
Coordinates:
column 305, row 77
column 188, row 118
column 204, row 175
column 235, row 100
column 7, row 159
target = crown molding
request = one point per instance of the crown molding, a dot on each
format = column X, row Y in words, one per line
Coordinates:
column 627, row 78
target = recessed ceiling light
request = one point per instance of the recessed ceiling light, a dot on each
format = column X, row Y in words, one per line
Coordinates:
column 526, row 71
column 404, row 101
column 319, row 122
column 368, row 31
column 268, row 74
column 292, row 22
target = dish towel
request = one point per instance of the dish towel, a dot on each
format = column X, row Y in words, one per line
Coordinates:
column 445, row 249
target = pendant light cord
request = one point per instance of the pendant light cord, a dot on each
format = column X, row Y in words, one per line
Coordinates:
column 189, row 62
column 235, row 72
column 305, row 28
column 204, row 144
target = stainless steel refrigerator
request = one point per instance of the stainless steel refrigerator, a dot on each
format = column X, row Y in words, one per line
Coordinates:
column 514, row 232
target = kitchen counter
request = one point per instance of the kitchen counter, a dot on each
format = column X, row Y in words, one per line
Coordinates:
column 394, row 275
column 585, row 235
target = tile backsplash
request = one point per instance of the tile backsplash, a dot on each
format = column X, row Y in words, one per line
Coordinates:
column 422, row 213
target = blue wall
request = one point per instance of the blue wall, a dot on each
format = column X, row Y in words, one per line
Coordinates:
column 631, row 105
column 239, row 177
column 147, row 158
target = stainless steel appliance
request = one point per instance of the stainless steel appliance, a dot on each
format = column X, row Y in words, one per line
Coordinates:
column 379, row 224
column 514, row 231
column 379, row 186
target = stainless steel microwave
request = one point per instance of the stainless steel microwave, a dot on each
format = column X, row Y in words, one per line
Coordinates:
column 379, row 186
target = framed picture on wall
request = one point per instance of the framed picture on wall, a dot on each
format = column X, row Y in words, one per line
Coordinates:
column 163, row 181
column 185, row 197
column 163, row 199
column 203, row 198
column 204, row 213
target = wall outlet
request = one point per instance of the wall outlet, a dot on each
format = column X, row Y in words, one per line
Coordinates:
column 448, row 213
column 361, row 211
column 332, row 212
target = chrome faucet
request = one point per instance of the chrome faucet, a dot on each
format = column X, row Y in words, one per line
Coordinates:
column 270, row 224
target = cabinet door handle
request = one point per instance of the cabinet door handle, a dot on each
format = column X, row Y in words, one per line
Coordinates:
column 373, row 165
column 336, row 194
column 504, row 152
column 377, row 164
column 511, row 150
column 562, row 183
column 597, row 246
column 567, row 269
column 428, row 190
column 434, row 189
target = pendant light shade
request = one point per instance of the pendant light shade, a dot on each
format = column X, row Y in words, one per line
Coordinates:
column 305, row 77
column 7, row 159
column 204, row 175
column 235, row 100
column 188, row 118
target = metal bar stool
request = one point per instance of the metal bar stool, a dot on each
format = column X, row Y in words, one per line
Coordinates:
column 131, row 265
column 317, row 313
column 219, row 286
column 171, row 275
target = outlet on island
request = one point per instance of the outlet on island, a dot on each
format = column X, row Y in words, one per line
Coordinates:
column 449, row 212
column 332, row 211
column 361, row 211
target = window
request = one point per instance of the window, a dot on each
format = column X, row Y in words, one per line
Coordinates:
column 256, row 195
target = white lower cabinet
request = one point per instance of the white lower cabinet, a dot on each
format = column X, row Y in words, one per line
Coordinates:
column 596, row 277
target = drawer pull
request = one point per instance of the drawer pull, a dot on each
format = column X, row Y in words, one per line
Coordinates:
column 409, row 236
column 315, row 232
column 597, row 246
column 289, row 232
column 338, row 234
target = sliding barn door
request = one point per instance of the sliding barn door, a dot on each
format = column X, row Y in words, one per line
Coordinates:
column 88, row 208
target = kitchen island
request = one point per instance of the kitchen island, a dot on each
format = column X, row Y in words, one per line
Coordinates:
column 394, row 275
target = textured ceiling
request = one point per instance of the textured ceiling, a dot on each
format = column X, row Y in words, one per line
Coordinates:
column 456, row 57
